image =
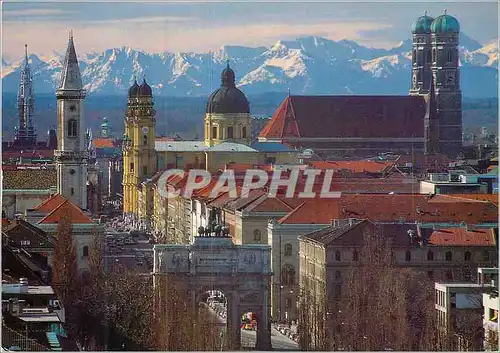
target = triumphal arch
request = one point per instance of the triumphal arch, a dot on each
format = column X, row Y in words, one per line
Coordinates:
column 214, row 262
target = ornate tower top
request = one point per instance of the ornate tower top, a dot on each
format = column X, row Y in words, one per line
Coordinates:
column 25, row 134
column 71, row 79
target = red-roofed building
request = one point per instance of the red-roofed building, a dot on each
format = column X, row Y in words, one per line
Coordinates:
column 314, row 214
column 349, row 125
column 446, row 254
column 48, row 214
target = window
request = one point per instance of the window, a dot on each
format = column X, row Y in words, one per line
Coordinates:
column 72, row 128
column 338, row 291
column 434, row 55
column 449, row 56
column 257, row 235
column 486, row 256
column 408, row 256
column 131, row 167
column 179, row 161
column 430, row 256
column 355, row 256
column 288, row 249
column 288, row 303
column 244, row 132
column 145, row 170
column 145, row 140
column 430, row 274
column 337, row 256
column 414, row 56
column 271, row 160
column 25, row 242
column 214, row 132
column 448, row 256
column 467, row 256
column 229, row 132
column 338, row 275
column 429, row 56
column 448, row 275
column 85, row 251
column 72, row 191
column 288, row 275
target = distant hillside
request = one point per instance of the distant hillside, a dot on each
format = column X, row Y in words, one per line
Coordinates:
column 184, row 115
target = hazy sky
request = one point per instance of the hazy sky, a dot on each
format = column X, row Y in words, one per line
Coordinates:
column 204, row 26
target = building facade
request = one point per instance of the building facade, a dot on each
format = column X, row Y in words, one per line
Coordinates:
column 71, row 155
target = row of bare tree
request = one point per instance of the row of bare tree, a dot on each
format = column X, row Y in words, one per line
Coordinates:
column 113, row 307
column 380, row 307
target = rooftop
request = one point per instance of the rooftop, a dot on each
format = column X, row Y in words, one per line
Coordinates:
column 463, row 237
column 180, row 146
column 231, row 147
column 24, row 289
column 352, row 116
column 56, row 206
column 29, row 179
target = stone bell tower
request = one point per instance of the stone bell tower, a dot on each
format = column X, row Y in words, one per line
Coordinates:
column 445, row 31
column 71, row 155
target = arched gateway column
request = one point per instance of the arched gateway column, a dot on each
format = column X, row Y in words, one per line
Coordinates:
column 264, row 324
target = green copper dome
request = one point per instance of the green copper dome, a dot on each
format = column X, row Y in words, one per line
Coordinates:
column 445, row 24
column 422, row 25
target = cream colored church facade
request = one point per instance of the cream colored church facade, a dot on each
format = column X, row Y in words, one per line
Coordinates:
column 227, row 128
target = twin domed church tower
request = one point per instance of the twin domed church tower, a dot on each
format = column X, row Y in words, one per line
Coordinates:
column 436, row 74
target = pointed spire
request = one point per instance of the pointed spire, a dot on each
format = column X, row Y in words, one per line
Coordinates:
column 70, row 34
column 288, row 91
column 445, row 11
column 71, row 78
column 425, row 13
column 26, row 52
column 227, row 63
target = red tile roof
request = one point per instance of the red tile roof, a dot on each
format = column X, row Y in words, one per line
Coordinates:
column 493, row 198
column 50, row 203
column 388, row 208
column 347, row 116
column 314, row 211
column 103, row 142
column 66, row 207
column 463, row 237
column 392, row 208
column 354, row 166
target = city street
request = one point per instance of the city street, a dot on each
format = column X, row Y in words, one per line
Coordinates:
column 279, row 342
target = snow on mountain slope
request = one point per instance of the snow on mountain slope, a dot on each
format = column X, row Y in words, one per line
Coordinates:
column 307, row 65
column 485, row 56
column 386, row 65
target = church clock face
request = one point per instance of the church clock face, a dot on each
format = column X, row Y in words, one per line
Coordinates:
column 145, row 129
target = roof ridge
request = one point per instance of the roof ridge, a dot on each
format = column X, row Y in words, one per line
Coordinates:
column 52, row 212
column 44, row 202
column 284, row 203
column 72, row 205
column 291, row 213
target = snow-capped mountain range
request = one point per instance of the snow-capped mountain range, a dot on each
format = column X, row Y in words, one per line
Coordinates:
column 308, row 65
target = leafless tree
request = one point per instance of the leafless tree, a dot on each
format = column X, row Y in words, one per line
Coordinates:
column 380, row 306
column 64, row 261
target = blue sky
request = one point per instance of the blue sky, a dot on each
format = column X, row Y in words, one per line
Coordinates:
column 204, row 26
